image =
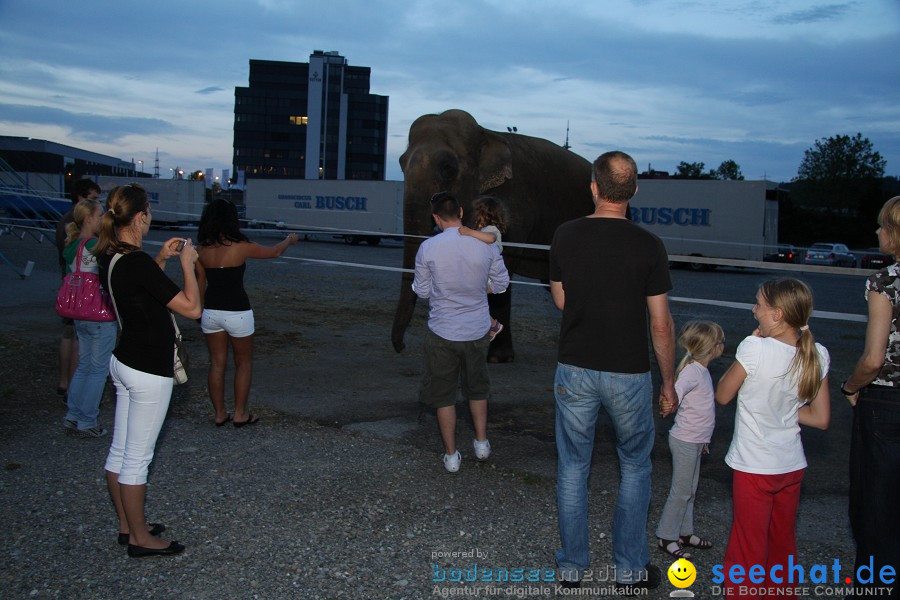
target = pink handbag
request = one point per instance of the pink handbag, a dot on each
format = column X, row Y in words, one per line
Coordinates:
column 81, row 297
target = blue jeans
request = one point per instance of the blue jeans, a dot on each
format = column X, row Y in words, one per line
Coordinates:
column 96, row 341
column 580, row 394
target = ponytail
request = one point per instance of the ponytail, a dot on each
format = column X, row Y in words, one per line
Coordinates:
column 699, row 339
column 81, row 211
column 123, row 204
column 795, row 300
column 71, row 233
column 806, row 365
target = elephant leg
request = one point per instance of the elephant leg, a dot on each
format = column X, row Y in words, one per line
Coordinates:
column 405, row 307
column 501, row 349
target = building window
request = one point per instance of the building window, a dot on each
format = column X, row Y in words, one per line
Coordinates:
column 298, row 120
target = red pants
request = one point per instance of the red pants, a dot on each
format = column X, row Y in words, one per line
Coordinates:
column 763, row 531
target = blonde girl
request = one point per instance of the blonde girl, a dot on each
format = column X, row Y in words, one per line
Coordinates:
column 96, row 338
column 703, row 342
column 490, row 223
column 780, row 376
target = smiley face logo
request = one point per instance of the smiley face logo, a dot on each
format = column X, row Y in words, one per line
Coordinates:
column 682, row 573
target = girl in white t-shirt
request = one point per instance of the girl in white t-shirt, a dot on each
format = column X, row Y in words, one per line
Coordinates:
column 780, row 376
column 490, row 222
column 704, row 342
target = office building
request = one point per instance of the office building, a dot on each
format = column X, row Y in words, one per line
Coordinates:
column 314, row 120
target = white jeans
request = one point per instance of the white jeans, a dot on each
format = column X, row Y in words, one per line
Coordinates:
column 142, row 401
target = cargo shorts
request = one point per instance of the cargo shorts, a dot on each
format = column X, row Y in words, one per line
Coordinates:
column 450, row 365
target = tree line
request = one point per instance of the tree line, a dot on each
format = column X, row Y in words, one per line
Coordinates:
column 839, row 188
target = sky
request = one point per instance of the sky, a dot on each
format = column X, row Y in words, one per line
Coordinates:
column 754, row 81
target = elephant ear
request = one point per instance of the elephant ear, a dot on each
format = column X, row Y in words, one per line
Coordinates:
column 403, row 160
column 495, row 162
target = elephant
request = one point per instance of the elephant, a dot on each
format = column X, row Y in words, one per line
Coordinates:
column 541, row 183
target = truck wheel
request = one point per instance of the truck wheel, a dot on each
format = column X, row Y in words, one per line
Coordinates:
column 700, row 267
column 353, row 240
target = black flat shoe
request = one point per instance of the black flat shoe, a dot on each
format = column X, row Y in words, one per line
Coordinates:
column 140, row 551
column 155, row 530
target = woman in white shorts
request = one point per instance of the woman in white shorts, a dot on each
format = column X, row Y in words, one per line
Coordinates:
column 227, row 316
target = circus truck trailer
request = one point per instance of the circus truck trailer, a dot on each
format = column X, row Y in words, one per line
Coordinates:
column 708, row 218
column 354, row 210
column 173, row 202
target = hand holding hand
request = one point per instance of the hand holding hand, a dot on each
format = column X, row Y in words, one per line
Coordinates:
column 668, row 400
column 665, row 407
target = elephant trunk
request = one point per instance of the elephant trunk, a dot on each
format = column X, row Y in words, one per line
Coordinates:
column 406, row 304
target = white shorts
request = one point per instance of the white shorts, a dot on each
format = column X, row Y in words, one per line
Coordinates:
column 236, row 323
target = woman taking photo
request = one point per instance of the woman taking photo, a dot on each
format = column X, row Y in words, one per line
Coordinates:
column 142, row 363
column 227, row 316
column 96, row 338
column 873, row 389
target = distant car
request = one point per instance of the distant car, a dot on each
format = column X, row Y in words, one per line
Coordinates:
column 834, row 255
column 874, row 258
column 785, row 254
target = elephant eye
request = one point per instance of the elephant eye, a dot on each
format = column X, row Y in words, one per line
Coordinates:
column 447, row 171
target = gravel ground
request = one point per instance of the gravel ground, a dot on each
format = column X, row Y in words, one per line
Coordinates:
column 340, row 493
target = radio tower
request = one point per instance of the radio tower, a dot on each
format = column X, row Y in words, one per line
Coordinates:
column 156, row 166
column 566, row 145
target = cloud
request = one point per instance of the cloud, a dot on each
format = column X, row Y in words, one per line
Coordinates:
column 781, row 73
column 92, row 127
column 814, row 14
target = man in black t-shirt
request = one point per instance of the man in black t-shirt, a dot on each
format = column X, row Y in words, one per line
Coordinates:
column 606, row 275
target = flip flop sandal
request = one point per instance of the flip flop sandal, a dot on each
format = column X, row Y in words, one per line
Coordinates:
column 227, row 420
column 696, row 542
column 251, row 420
column 673, row 549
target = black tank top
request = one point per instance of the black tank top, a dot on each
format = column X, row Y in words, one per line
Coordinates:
column 225, row 289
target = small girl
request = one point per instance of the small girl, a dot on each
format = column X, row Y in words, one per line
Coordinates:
column 780, row 376
column 490, row 220
column 704, row 342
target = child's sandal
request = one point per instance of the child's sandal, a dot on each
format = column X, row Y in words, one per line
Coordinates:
column 696, row 542
column 673, row 548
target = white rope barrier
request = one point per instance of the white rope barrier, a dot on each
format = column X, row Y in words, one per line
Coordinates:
column 715, row 261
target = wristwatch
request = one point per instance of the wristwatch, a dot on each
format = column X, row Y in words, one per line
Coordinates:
column 845, row 392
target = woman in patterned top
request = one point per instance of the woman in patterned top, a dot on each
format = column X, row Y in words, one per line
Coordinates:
column 873, row 389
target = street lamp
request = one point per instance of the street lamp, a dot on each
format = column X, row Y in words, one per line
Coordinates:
column 140, row 162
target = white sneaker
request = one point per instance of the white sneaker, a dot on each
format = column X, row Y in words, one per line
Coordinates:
column 451, row 462
column 482, row 449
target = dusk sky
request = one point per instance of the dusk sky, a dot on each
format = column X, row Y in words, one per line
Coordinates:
column 756, row 81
